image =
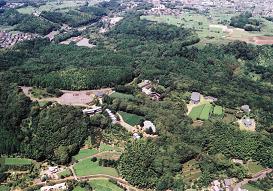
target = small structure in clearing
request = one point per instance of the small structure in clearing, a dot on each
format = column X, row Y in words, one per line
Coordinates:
column 195, row 97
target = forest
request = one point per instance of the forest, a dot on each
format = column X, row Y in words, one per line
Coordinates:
column 245, row 21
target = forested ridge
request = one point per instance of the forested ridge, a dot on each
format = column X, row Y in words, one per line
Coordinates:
column 236, row 73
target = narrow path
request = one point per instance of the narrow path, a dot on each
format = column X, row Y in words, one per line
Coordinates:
column 260, row 175
column 73, row 172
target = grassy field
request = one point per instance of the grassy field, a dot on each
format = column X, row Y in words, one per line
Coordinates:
column 83, row 153
column 250, row 188
column 254, row 167
column 196, row 112
column 121, row 95
column 218, row 110
column 104, row 185
column 4, row 188
column 78, row 188
column 131, row 119
column 206, row 112
column 17, row 161
column 87, row 167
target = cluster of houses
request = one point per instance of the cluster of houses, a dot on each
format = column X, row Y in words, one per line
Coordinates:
column 248, row 122
column 147, row 88
column 50, row 173
column 61, row 186
column 162, row 10
column 8, row 39
column 219, row 185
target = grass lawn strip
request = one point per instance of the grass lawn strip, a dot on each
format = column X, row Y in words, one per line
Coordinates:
column 254, row 167
column 78, row 188
column 131, row 119
column 87, row 167
column 104, row 185
column 17, row 161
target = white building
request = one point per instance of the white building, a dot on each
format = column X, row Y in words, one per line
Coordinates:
column 61, row 186
column 149, row 125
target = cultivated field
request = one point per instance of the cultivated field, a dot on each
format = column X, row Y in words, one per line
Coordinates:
column 131, row 119
column 17, row 161
column 191, row 171
column 87, row 167
column 104, row 185
column 121, row 95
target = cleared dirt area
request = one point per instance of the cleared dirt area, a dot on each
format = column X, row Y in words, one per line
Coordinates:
column 262, row 40
column 77, row 98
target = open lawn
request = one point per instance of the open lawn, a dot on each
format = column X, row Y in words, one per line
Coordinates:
column 17, row 161
column 121, row 95
column 87, row 167
column 251, row 188
column 206, row 112
column 131, row 119
column 104, row 185
column 83, row 153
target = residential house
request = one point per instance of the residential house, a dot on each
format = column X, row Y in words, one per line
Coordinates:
column 136, row 136
column 195, row 97
column 112, row 116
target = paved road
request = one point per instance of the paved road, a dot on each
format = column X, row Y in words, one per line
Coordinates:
column 259, row 175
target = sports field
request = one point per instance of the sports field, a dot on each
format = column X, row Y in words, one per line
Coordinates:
column 201, row 112
column 104, row 185
column 131, row 119
column 87, row 167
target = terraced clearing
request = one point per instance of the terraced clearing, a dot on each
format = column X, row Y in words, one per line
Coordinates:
column 131, row 119
column 87, row 167
column 191, row 171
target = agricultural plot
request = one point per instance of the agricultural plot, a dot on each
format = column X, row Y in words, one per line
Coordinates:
column 78, row 188
column 17, row 161
column 87, row 167
column 191, row 171
column 121, row 95
column 83, row 153
column 201, row 112
column 131, row 119
column 104, row 185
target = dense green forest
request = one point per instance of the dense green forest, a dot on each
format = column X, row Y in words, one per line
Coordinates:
column 26, row 23
column 245, row 21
